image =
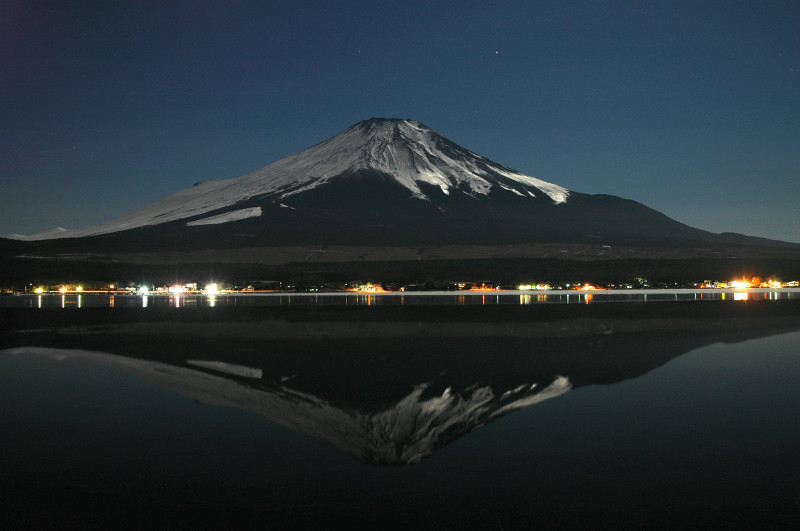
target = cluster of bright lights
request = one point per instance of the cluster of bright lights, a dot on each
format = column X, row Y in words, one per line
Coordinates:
column 484, row 287
column 757, row 283
column 369, row 287
column 527, row 287
column 212, row 289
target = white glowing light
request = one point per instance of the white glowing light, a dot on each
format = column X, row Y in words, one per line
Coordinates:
column 212, row 289
column 538, row 287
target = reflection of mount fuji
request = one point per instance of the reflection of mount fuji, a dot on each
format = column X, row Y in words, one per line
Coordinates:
column 404, row 432
column 385, row 399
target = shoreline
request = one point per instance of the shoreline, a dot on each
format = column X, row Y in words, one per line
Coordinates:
column 439, row 293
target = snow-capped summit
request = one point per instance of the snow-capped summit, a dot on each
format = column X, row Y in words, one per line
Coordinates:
column 406, row 151
column 410, row 153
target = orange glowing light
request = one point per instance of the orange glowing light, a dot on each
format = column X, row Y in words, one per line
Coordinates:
column 483, row 287
column 367, row 288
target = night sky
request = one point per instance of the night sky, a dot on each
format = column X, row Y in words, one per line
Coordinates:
column 692, row 108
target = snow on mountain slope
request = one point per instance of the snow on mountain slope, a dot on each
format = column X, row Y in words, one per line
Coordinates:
column 198, row 199
column 407, row 151
column 404, row 149
column 233, row 215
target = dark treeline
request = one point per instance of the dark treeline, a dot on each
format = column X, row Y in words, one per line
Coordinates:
column 14, row 272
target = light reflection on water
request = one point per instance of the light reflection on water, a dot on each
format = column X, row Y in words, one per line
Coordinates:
column 97, row 300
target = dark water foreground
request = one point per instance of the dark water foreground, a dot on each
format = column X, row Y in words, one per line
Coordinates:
column 617, row 415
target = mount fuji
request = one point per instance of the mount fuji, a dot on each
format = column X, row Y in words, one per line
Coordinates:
column 388, row 182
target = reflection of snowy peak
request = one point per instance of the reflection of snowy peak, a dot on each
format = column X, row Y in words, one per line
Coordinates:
column 404, row 151
column 405, row 432
column 416, row 428
column 411, row 429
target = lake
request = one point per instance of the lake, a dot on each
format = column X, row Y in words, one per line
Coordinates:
column 658, row 414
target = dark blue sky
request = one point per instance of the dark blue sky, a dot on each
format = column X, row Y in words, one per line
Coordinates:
column 692, row 108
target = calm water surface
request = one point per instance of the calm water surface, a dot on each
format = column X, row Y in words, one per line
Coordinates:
column 123, row 428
